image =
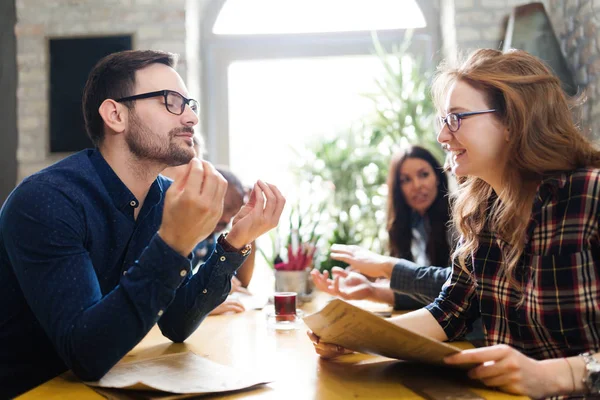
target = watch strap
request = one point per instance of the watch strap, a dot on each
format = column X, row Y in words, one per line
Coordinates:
column 592, row 373
column 222, row 240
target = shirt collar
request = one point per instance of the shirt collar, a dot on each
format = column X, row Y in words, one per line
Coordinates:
column 122, row 197
column 550, row 185
column 416, row 219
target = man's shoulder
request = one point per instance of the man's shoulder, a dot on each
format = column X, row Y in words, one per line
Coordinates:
column 68, row 170
column 65, row 178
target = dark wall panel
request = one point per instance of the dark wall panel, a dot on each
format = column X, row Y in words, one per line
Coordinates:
column 8, row 98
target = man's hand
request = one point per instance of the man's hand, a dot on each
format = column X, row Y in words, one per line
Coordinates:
column 347, row 285
column 193, row 206
column 228, row 306
column 364, row 261
column 259, row 215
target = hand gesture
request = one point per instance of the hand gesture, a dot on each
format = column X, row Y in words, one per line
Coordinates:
column 347, row 285
column 327, row 350
column 362, row 260
column 193, row 206
column 259, row 215
column 509, row 370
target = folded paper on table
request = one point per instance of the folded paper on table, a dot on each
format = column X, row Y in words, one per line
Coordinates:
column 184, row 373
column 359, row 330
column 250, row 301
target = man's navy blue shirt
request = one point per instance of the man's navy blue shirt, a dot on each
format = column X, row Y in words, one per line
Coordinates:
column 82, row 281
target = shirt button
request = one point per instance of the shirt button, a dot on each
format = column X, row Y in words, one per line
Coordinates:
column 132, row 203
column 160, row 313
column 205, row 291
column 222, row 258
column 182, row 273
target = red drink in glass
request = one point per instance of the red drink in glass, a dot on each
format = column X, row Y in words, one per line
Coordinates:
column 285, row 306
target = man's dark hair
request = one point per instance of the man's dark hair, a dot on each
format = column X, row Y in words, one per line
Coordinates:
column 232, row 179
column 113, row 77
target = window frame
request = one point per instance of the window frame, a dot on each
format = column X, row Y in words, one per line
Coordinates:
column 218, row 52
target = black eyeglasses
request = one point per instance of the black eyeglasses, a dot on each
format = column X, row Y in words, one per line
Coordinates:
column 174, row 102
column 453, row 119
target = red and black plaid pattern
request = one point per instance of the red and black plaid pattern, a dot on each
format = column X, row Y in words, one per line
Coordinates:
column 559, row 271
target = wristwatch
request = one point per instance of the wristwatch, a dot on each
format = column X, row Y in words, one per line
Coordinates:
column 592, row 373
column 229, row 248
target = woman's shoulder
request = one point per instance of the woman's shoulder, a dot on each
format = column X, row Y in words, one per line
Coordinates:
column 583, row 183
column 585, row 178
column 566, row 179
column 586, row 172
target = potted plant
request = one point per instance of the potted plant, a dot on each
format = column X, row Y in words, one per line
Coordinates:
column 355, row 162
column 294, row 250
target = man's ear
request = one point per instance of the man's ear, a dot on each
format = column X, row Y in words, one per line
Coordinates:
column 114, row 115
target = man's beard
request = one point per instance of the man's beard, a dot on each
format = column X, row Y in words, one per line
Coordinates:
column 145, row 145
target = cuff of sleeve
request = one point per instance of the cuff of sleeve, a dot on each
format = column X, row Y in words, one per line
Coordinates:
column 403, row 277
column 168, row 265
column 227, row 262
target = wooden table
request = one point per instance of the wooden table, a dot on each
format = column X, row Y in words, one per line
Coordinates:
column 244, row 340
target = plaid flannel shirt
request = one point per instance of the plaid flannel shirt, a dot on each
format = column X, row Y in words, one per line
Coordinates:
column 559, row 270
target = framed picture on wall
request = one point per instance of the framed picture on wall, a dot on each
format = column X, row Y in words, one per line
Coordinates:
column 71, row 60
column 530, row 29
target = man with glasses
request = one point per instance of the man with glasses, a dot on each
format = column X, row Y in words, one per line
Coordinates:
column 96, row 249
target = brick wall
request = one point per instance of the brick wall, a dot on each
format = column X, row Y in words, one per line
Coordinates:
column 154, row 24
column 482, row 23
column 174, row 25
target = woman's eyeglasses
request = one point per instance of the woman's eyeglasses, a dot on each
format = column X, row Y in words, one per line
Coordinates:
column 452, row 120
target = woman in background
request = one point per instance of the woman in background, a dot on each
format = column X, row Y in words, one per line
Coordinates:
column 417, row 224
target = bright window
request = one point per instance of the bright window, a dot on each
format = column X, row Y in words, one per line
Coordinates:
column 279, row 74
column 304, row 16
column 278, row 106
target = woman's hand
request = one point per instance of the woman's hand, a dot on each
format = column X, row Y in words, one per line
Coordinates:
column 228, row 306
column 346, row 285
column 509, row 370
column 236, row 286
column 364, row 261
column 327, row 350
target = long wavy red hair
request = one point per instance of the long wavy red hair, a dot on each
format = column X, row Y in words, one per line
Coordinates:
column 543, row 139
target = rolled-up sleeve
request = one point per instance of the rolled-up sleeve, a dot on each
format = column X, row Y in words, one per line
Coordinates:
column 455, row 308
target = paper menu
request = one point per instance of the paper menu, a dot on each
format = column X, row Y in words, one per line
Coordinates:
column 356, row 329
column 184, row 373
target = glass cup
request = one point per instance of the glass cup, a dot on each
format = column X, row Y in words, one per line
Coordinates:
column 285, row 306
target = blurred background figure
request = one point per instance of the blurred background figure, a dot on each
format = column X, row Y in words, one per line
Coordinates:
column 235, row 198
column 418, row 212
